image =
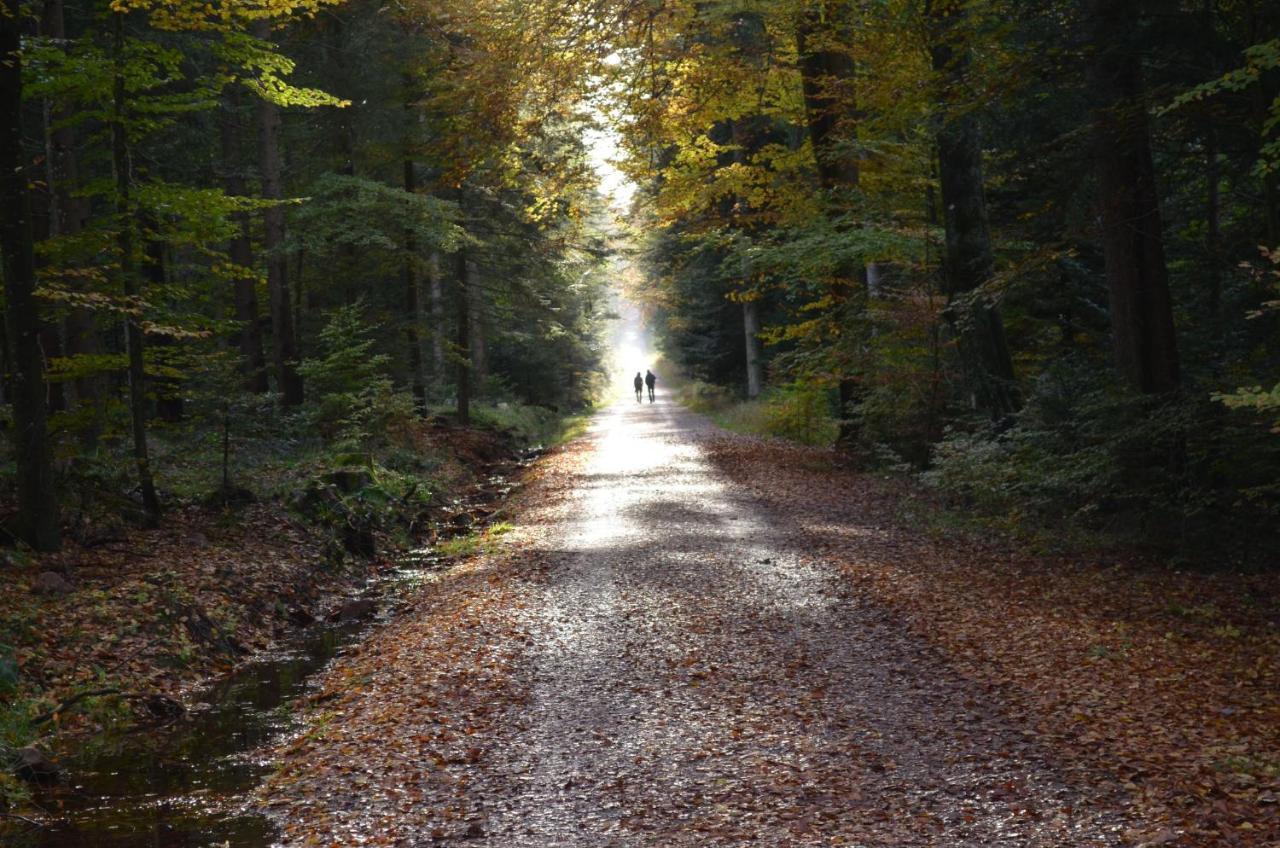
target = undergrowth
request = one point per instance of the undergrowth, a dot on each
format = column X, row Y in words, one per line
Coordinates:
column 794, row 412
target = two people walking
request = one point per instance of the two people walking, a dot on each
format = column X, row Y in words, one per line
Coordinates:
column 640, row 382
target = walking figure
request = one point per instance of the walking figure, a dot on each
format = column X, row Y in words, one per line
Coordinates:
column 639, row 382
column 649, row 380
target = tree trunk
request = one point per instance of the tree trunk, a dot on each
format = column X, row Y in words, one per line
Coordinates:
column 64, row 166
column 827, row 74
column 968, row 263
column 1212, row 236
column 37, row 521
column 476, row 330
column 240, row 251
column 462, row 341
column 79, row 331
column 751, row 332
column 1133, row 245
column 437, row 317
column 50, row 334
column 412, row 299
column 167, row 390
column 745, row 142
column 130, row 283
column 285, row 343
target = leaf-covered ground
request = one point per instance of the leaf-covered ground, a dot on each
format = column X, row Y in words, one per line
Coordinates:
column 156, row 611
column 162, row 611
column 692, row 638
column 1160, row 682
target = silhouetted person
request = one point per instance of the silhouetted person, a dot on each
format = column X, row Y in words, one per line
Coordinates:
column 649, row 380
column 639, row 382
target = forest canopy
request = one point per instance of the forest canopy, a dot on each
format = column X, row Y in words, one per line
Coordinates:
column 1024, row 250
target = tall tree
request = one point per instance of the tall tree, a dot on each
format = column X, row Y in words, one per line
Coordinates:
column 68, row 212
column 969, row 263
column 1145, row 345
column 283, row 333
column 37, row 504
column 130, row 283
column 412, row 285
column 462, row 338
column 240, row 252
column 750, row 43
column 824, row 41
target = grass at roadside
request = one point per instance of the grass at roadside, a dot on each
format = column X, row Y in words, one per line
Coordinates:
column 794, row 413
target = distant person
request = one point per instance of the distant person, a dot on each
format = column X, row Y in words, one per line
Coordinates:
column 639, row 382
column 649, row 380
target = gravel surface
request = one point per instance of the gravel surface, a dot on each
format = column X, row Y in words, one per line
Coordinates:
column 678, row 670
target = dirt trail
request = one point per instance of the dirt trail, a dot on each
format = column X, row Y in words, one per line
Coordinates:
column 678, row 671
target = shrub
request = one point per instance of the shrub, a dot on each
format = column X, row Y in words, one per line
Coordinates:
column 704, row 397
column 1177, row 473
column 800, row 413
column 353, row 401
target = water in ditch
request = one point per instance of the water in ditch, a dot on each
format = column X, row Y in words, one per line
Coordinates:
column 184, row 784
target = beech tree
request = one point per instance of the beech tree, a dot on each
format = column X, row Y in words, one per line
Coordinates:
column 37, row 503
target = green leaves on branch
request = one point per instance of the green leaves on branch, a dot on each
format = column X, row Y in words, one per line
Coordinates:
column 353, row 212
column 263, row 71
column 1259, row 59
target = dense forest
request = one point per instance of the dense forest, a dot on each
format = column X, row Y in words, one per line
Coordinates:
column 295, row 220
column 1024, row 248
column 305, row 302
column 1021, row 247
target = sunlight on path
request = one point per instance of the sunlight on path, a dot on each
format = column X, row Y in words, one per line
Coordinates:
column 697, row 681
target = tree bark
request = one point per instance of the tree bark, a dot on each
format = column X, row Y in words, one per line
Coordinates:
column 437, row 317
column 167, row 390
column 284, row 338
column 827, row 76
column 476, row 329
column 69, row 213
column 80, row 329
column 240, row 251
column 751, row 333
column 1212, row 235
column 128, row 277
column 968, row 264
column 37, row 520
column 412, row 297
column 1142, row 328
column 462, row 339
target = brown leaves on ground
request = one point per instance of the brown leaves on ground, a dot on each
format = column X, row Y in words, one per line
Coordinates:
column 159, row 610
column 398, row 723
column 1163, row 680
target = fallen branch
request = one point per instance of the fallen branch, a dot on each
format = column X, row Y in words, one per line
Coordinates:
column 158, row 704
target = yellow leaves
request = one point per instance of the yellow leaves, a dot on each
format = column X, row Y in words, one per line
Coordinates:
column 227, row 15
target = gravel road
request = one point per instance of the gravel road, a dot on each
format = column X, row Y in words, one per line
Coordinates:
column 652, row 659
column 694, row 678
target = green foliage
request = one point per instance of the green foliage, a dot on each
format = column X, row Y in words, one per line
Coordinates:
column 704, row 397
column 800, row 412
column 1170, row 473
column 1259, row 59
column 487, row 541
column 355, row 213
column 354, row 404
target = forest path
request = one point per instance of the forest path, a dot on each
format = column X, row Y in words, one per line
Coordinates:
column 678, row 670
